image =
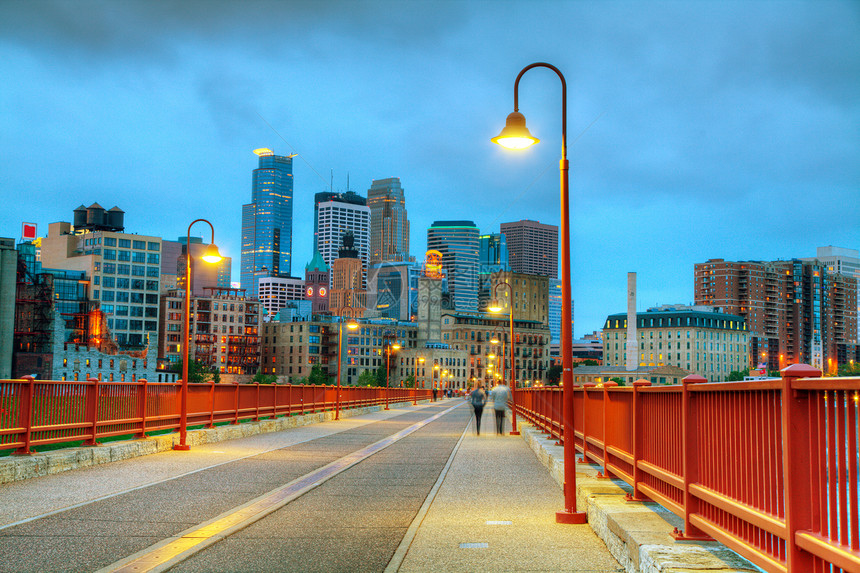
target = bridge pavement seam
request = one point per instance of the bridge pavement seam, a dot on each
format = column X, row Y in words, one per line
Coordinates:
column 168, row 553
column 412, row 531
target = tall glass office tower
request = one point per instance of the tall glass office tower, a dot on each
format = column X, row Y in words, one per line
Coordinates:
column 267, row 221
column 458, row 243
column 389, row 227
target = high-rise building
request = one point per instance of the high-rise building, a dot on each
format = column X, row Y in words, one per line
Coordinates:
column 392, row 289
column 457, row 241
column 529, row 295
column 843, row 261
column 554, row 310
column 124, row 270
column 336, row 218
column 796, row 311
column 267, row 221
column 275, row 292
column 492, row 258
column 204, row 274
column 389, row 226
column 532, row 247
column 350, row 197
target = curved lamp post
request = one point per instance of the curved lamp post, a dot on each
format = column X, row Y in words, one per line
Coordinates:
column 210, row 255
column 352, row 325
column 496, row 307
column 515, row 135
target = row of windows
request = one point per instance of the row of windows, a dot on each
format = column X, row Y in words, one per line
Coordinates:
column 123, row 283
column 124, row 269
column 123, row 243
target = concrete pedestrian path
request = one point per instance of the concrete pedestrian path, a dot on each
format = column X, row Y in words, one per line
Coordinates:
column 495, row 511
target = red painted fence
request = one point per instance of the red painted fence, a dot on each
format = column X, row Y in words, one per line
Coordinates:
column 37, row 412
column 768, row 468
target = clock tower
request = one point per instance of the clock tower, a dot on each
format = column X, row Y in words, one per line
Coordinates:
column 316, row 284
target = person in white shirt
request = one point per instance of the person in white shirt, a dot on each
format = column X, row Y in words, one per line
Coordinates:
column 500, row 394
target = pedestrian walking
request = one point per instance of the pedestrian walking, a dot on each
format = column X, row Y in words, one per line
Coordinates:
column 435, row 392
column 500, row 394
column 478, row 398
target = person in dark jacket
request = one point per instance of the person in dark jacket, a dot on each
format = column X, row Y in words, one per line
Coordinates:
column 478, row 398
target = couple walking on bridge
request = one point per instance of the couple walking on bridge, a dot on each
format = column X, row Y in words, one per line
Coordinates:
column 499, row 394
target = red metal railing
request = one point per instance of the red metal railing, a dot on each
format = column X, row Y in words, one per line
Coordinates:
column 38, row 412
column 768, row 468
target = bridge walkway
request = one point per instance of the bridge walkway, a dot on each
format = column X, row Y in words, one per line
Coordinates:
column 409, row 489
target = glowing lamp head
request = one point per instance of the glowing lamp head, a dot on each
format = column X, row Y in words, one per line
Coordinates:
column 352, row 324
column 211, row 254
column 515, row 134
column 395, row 346
column 494, row 340
column 495, row 306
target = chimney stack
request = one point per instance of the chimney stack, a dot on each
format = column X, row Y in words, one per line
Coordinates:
column 632, row 345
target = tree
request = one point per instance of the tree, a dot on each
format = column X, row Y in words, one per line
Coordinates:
column 198, row 373
column 410, row 381
column 553, row 375
column 261, row 378
column 368, row 378
column 318, row 376
column 618, row 380
column 738, row 375
column 850, row 369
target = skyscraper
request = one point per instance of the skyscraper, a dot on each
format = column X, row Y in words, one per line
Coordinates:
column 267, row 221
column 389, row 226
column 532, row 247
column 458, row 243
column 335, row 218
column 795, row 310
column 492, row 258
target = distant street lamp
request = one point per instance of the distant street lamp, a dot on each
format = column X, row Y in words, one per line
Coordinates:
column 515, row 135
column 415, row 384
column 388, row 349
column 351, row 325
column 496, row 307
column 210, row 255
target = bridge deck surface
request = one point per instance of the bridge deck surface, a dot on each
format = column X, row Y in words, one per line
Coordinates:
column 438, row 499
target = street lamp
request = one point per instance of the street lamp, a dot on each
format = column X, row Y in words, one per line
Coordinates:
column 415, row 385
column 495, row 307
column 351, row 325
column 388, row 349
column 210, row 255
column 515, row 135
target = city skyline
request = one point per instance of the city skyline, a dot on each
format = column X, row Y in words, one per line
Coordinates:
column 718, row 130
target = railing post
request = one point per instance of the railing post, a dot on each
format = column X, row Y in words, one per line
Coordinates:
column 257, row 412
column 585, row 388
column 690, row 452
column 796, row 464
column 211, row 423
column 25, row 414
column 606, row 387
column 637, row 424
column 236, row 404
column 141, row 406
column 92, row 409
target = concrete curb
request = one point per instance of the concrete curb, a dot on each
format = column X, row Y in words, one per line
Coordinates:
column 14, row 468
column 637, row 534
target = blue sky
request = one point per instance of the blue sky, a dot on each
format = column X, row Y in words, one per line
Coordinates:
column 696, row 130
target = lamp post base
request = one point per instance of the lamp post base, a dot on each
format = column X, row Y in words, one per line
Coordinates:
column 514, row 433
column 182, row 447
column 571, row 517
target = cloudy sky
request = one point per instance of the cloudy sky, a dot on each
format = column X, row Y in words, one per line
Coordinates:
column 696, row 129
